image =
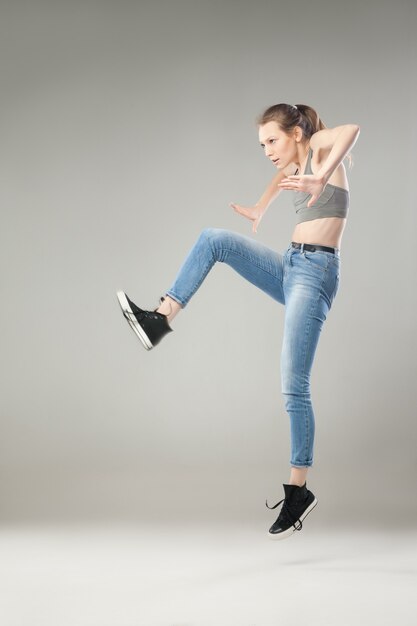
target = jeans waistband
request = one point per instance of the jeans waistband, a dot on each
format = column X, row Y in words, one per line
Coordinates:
column 312, row 248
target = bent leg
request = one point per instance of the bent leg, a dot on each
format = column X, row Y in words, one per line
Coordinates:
column 257, row 263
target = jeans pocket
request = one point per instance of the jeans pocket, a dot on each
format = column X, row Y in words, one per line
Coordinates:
column 336, row 287
column 336, row 283
column 317, row 260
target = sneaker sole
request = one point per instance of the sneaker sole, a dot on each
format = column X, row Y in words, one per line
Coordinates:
column 135, row 326
column 290, row 531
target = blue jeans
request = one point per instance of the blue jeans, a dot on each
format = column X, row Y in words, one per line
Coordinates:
column 305, row 282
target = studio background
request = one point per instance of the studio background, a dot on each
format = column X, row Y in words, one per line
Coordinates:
column 126, row 129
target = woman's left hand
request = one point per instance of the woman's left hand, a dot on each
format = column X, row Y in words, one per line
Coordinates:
column 309, row 183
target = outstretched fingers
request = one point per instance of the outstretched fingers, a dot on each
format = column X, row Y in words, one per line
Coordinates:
column 240, row 209
column 291, row 182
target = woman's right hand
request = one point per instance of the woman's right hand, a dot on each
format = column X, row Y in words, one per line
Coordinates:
column 253, row 213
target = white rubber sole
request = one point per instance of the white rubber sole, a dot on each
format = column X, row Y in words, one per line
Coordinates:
column 134, row 325
column 290, row 531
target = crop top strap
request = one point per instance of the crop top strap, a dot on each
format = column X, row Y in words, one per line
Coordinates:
column 308, row 163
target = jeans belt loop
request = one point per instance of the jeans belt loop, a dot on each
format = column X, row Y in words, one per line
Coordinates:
column 302, row 248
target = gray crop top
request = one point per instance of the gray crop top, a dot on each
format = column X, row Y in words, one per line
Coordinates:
column 333, row 202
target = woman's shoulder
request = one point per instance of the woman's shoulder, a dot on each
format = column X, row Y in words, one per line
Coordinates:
column 324, row 139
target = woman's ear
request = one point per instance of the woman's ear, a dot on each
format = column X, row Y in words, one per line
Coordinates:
column 298, row 133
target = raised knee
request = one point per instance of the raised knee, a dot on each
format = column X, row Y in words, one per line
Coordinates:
column 214, row 238
column 211, row 233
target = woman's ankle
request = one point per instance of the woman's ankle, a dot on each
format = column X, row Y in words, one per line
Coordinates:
column 298, row 476
column 169, row 307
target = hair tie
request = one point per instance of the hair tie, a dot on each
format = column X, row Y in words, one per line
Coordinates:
column 295, row 106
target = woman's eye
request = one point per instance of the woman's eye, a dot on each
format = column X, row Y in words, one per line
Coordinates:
column 269, row 140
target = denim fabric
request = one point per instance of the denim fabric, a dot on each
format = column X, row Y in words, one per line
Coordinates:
column 305, row 282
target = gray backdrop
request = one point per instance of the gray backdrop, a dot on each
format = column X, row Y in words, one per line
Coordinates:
column 128, row 127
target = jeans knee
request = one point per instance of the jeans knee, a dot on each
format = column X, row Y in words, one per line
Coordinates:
column 289, row 400
column 213, row 237
column 211, row 234
column 294, row 382
column 294, row 398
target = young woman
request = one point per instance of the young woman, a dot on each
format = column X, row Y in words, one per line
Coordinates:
column 305, row 278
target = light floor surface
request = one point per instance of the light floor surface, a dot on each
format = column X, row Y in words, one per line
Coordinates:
column 173, row 574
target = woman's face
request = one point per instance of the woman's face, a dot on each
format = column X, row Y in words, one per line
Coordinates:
column 279, row 147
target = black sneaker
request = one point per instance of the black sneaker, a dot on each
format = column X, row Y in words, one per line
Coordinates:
column 298, row 503
column 149, row 326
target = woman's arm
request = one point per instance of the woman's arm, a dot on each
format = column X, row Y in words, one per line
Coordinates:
column 255, row 213
column 340, row 140
column 271, row 192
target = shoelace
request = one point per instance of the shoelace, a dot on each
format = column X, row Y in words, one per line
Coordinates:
column 286, row 513
column 140, row 315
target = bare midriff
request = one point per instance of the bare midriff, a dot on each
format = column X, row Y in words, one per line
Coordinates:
column 326, row 231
